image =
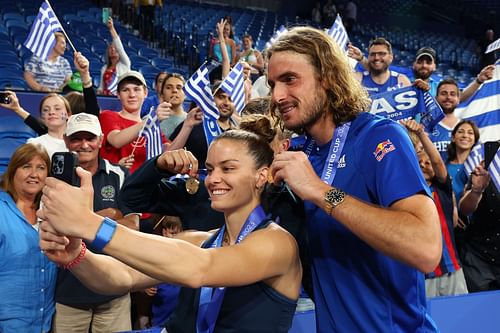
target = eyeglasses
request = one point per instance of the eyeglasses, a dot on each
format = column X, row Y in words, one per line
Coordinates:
column 380, row 54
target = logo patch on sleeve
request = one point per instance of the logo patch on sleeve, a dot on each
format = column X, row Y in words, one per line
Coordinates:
column 383, row 148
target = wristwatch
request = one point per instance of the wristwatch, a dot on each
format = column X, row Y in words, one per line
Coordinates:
column 333, row 197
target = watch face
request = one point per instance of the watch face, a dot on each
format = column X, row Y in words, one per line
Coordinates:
column 334, row 196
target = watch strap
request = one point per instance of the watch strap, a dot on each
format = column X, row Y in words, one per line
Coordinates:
column 104, row 234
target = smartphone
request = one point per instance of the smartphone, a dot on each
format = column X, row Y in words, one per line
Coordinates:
column 63, row 167
column 106, row 13
column 192, row 105
column 490, row 150
column 4, row 98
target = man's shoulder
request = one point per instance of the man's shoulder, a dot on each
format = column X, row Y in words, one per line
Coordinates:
column 367, row 122
column 107, row 168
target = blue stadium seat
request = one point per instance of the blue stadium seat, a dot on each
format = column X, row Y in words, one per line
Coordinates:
column 14, row 84
column 162, row 62
column 148, row 52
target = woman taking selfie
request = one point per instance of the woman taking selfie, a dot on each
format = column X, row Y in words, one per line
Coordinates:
column 251, row 263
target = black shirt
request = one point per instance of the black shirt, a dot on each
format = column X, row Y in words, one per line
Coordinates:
column 107, row 182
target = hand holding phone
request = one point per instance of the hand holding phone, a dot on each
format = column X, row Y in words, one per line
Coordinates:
column 63, row 167
column 4, row 97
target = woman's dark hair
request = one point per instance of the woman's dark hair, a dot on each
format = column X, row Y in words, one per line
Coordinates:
column 259, row 124
column 452, row 147
column 257, row 147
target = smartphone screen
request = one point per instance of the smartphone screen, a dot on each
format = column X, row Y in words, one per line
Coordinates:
column 63, row 167
column 105, row 15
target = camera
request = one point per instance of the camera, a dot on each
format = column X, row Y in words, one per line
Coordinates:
column 63, row 167
column 4, row 98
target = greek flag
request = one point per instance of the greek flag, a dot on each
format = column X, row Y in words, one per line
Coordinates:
column 233, row 84
column 494, row 170
column 484, row 108
column 475, row 157
column 276, row 35
column 151, row 131
column 493, row 46
column 198, row 89
column 113, row 85
column 41, row 38
column 338, row 33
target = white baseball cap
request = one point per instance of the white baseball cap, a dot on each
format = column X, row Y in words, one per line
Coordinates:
column 83, row 122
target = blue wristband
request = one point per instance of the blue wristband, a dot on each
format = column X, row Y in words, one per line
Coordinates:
column 104, row 234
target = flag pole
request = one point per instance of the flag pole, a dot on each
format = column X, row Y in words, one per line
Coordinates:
column 63, row 31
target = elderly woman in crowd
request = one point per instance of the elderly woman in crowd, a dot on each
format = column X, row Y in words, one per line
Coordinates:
column 27, row 277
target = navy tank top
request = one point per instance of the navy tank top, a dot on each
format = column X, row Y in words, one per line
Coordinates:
column 255, row 308
column 375, row 88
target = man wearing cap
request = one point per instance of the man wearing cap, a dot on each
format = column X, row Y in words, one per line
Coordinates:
column 79, row 309
column 379, row 78
column 425, row 65
column 121, row 143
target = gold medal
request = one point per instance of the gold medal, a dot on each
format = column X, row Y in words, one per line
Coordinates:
column 192, row 185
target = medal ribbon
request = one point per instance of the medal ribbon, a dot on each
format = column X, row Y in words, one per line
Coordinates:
column 334, row 152
column 211, row 298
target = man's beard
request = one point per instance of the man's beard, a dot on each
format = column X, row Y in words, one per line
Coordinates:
column 424, row 75
column 317, row 110
column 378, row 71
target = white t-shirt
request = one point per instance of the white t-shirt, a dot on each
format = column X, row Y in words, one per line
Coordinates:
column 50, row 143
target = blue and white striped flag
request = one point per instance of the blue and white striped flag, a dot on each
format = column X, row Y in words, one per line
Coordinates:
column 276, row 35
column 41, row 38
column 233, row 84
column 484, row 108
column 475, row 157
column 338, row 33
column 151, row 131
column 494, row 170
column 198, row 89
column 113, row 85
column 493, row 46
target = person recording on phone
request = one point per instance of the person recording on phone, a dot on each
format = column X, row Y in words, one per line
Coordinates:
column 117, row 63
column 78, row 308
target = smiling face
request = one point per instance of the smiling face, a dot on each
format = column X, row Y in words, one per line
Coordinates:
column 224, row 104
column 296, row 90
column 131, row 95
column 423, row 67
column 232, row 176
column 379, row 59
column 85, row 144
column 448, row 97
column 464, row 137
column 29, row 178
column 53, row 112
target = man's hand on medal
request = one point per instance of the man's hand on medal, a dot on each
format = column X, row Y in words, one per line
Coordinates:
column 295, row 169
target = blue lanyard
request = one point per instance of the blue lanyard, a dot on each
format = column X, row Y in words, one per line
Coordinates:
column 334, row 152
column 211, row 298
